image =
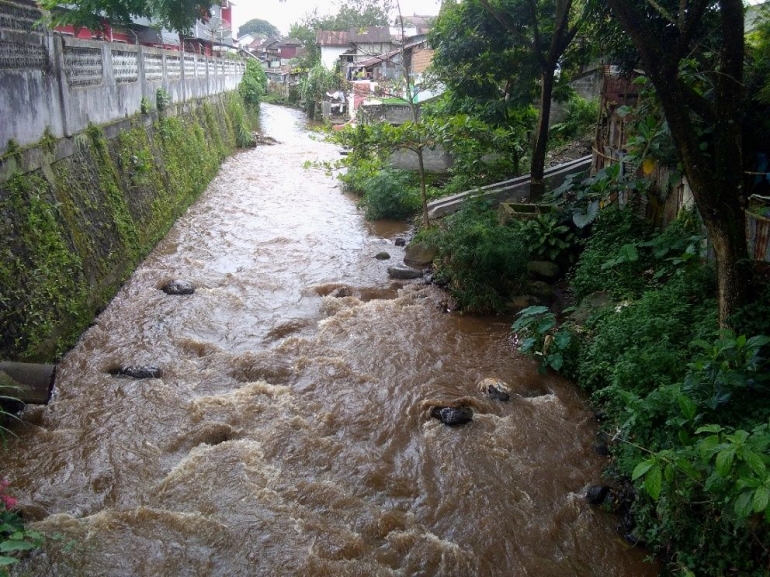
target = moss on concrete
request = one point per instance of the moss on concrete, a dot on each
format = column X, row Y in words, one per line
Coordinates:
column 75, row 229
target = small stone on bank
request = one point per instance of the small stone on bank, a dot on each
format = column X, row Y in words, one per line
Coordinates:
column 403, row 272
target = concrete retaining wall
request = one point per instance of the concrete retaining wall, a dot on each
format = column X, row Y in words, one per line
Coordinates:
column 58, row 85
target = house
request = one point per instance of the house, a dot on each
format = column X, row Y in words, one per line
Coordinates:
column 421, row 22
column 349, row 47
column 218, row 28
column 389, row 66
column 245, row 41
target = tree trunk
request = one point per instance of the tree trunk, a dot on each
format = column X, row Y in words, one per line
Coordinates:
column 537, row 168
column 715, row 175
column 423, row 190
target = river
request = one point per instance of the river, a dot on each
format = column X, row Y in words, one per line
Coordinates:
column 290, row 431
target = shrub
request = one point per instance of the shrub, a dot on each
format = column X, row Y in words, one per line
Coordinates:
column 390, row 194
column 613, row 230
column 480, row 260
column 698, row 452
column 162, row 99
column 14, row 537
column 581, row 117
column 644, row 343
column 253, row 86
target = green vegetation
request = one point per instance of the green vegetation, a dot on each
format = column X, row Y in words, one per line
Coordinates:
column 258, row 27
column 685, row 405
column 177, row 15
column 390, row 194
column 253, row 86
column 314, row 85
column 14, row 537
column 479, row 260
column 75, row 229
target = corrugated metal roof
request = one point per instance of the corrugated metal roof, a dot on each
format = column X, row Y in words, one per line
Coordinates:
column 368, row 35
column 332, row 38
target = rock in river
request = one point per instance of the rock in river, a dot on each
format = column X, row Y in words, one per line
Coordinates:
column 178, row 287
column 136, row 372
column 452, row 415
column 596, row 494
column 495, row 389
column 404, row 272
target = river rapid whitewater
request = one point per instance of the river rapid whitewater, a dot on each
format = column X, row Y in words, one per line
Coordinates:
column 290, row 431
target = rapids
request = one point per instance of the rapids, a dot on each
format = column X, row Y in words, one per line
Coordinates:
column 290, row 431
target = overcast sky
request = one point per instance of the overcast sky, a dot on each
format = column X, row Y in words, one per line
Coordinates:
column 284, row 14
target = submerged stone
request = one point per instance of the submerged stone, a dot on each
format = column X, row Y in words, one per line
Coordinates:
column 178, row 287
column 382, row 256
column 136, row 372
column 452, row 416
column 495, row 389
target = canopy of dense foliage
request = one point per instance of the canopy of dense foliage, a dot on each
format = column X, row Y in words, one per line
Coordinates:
column 177, row 15
column 256, row 27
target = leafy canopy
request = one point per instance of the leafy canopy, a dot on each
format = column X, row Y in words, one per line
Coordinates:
column 257, row 26
column 351, row 14
column 177, row 15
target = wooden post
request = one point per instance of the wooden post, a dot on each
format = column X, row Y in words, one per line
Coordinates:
column 27, row 382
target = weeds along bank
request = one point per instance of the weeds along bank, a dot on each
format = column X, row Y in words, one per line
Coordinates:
column 74, row 228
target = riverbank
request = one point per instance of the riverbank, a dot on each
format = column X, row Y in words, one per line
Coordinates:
column 75, row 227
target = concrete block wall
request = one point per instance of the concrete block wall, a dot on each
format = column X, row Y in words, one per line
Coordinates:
column 61, row 84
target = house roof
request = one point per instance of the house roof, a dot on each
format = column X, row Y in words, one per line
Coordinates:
column 388, row 55
column 368, row 35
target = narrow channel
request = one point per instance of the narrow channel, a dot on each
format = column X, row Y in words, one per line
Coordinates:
column 290, row 432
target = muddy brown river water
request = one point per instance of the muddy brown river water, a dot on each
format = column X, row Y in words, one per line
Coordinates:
column 290, row 432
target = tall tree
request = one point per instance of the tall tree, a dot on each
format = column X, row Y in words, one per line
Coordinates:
column 177, row 15
column 487, row 73
column 256, row 26
column 701, row 94
column 547, row 27
column 307, row 36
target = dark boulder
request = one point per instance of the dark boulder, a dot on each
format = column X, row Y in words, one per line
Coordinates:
column 452, row 416
column 544, row 269
column 382, row 256
column 420, row 254
column 495, row 389
column 404, row 272
column 341, row 292
column 596, row 494
column 400, row 241
column 178, row 287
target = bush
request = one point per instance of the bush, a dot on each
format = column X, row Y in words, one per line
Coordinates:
column 253, row 86
column 581, row 117
column 698, row 452
column 644, row 343
column 355, row 177
column 390, row 194
column 480, row 260
column 15, row 539
column 613, row 230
